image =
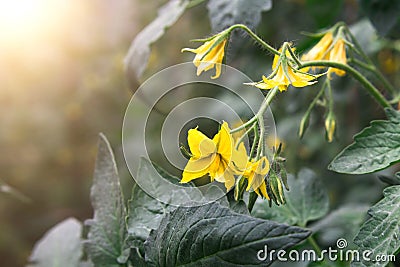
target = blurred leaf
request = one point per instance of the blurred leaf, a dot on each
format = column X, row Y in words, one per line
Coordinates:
column 6, row 189
column 366, row 36
column 324, row 12
column 60, row 246
column 307, row 200
column 343, row 222
column 213, row 235
column 374, row 148
column 391, row 180
column 384, row 14
column 107, row 228
column 224, row 13
column 139, row 51
column 381, row 233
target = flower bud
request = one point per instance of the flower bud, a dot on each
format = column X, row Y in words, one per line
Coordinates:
column 330, row 125
column 304, row 124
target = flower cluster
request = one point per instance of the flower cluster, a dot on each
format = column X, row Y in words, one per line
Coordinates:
column 329, row 48
column 222, row 158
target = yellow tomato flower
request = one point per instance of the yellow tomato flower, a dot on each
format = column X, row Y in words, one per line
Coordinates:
column 328, row 49
column 320, row 50
column 255, row 173
column 338, row 54
column 284, row 75
column 208, row 55
column 217, row 157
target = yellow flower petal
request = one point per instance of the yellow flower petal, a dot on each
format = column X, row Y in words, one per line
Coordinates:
column 338, row 54
column 209, row 55
column 196, row 168
column 200, row 145
column 320, row 50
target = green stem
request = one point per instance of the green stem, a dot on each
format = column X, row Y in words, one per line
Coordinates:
column 330, row 96
column 372, row 67
column 260, row 119
column 255, row 140
column 255, row 37
column 314, row 244
column 194, row 3
column 251, row 122
column 372, row 90
column 317, row 97
column 317, row 249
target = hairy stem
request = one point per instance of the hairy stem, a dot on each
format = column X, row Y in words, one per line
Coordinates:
column 372, row 90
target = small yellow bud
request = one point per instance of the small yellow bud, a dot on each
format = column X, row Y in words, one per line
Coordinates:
column 330, row 125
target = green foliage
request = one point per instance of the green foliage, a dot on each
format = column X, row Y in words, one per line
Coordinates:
column 384, row 14
column 224, row 13
column 213, row 235
column 61, row 246
column 139, row 52
column 381, row 233
column 343, row 222
column 375, row 148
column 391, row 180
column 144, row 212
column 307, row 200
column 106, row 237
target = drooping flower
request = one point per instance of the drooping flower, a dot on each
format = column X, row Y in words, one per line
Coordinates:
column 210, row 54
column 217, row 157
column 338, row 54
column 255, row 173
column 330, row 49
column 320, row 50
column 284, row 75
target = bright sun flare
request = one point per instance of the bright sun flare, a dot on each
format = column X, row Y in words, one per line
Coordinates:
column 21, row 20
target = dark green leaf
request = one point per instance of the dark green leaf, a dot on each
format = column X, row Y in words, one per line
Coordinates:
column 374, row 148
column 105, row 243
column 144, row 211
column 60, row 246
column 224, row 13
column 239, row 207
column 213, row 235
column 381, row 233
column 343, row 222
column 391, row 180
column 139, row 51
column 384, row 14
column 307, row 200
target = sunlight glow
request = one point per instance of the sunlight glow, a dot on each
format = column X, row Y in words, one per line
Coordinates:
column 22, row 20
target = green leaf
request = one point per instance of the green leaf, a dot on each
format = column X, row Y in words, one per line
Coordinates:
column 307, row 200
column 145, row 212
column 60, row 246
column 374, row 148
column 105, row 243
column 391, row 180
column 381, row 233
column 343, row 222
column 139, row 51
column 224, row 13
column 213, row 235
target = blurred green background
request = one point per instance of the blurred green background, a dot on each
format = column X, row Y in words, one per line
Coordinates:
column 62, row 82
